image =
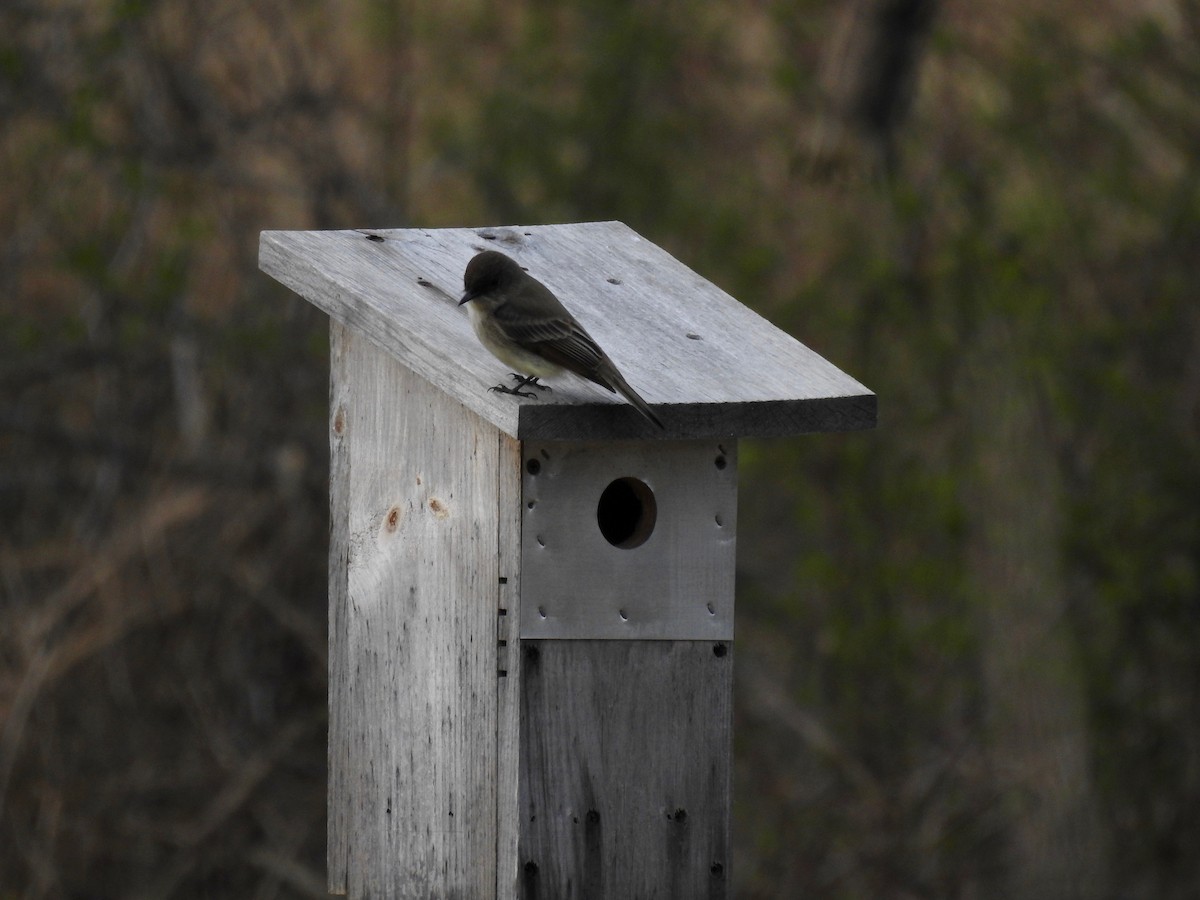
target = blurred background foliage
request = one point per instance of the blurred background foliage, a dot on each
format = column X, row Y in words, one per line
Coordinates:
column 969, row 642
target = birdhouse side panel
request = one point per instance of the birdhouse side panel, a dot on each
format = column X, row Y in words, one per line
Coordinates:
column 413, row 671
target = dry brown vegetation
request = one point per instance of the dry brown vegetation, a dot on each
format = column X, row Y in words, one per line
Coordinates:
column 967, row 642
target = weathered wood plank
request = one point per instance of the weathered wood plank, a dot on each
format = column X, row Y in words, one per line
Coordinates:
column 340, row 342
column 413, row 664
column 677, row 584
column 509, row 678
column 712, row 366
column 625, row 769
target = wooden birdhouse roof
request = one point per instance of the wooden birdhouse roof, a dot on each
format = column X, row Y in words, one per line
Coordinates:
column 708, row 365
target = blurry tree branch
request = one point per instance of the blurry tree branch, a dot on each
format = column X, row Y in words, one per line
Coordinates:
column 47, row 647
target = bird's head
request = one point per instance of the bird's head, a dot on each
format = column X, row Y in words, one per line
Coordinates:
column 488, row 273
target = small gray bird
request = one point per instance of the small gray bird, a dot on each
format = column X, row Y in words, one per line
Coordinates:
column 525, row 326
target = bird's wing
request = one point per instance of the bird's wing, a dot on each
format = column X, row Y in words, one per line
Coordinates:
column 558, row 337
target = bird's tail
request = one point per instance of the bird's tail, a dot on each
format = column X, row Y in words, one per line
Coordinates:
column 633, row 397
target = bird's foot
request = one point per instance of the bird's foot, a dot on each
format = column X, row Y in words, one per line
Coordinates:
column 505, row 389
column 530, row 381
column 522, row 381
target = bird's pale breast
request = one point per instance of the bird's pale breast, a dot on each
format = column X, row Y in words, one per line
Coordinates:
column 508, row 352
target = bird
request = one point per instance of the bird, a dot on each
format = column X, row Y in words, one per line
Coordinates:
column 520, row 321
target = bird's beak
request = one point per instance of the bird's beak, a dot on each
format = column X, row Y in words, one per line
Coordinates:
column 467, row 297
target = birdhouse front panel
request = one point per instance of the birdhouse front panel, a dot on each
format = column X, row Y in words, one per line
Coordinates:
column 628, row 540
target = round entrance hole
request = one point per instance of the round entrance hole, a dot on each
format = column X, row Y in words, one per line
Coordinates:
column 626, row 513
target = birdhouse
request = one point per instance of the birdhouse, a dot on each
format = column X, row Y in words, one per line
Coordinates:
column 531, row 599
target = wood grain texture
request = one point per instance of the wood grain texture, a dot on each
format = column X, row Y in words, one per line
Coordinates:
column 339, row 807
column 625, row 769
column 710, row 366
column 677, row 584
column 413, row 662
column 508, row 699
